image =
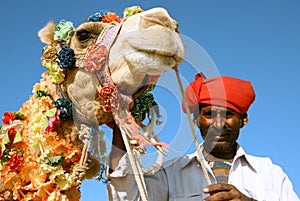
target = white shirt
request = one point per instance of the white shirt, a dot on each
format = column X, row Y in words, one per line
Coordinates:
column 182, row 179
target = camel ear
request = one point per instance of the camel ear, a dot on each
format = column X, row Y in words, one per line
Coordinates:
column 46, row 34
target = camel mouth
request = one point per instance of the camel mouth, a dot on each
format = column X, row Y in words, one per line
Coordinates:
column 162, row 54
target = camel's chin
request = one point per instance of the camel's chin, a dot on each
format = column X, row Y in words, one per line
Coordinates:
column 130, row 70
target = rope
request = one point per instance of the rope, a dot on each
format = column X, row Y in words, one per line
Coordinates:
column 136, row 170
column 188, row 113
column 79, row 170
column 150, row 134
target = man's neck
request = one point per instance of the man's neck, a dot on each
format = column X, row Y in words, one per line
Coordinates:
column 216, row 155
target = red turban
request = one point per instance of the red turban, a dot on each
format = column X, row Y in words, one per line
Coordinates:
column 229, row 92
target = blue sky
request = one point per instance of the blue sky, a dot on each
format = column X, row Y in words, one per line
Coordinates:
column 253, row 40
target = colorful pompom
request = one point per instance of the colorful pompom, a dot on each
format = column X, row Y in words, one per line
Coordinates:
column 111, row 17
column 66, row 58
column 104, row 16
column 97, row 17
column 63, row 31
column 129, row 11
column 142, row 104
column 66, row 108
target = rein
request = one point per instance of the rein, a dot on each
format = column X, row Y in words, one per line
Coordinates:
column 196, row 142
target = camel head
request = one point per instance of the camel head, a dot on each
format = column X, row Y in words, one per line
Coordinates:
column 146, row 44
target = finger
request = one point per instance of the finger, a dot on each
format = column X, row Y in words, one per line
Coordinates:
column 214, row 188
column 219, row 196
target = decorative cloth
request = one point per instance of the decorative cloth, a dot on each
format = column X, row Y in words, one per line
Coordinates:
column 230, row 92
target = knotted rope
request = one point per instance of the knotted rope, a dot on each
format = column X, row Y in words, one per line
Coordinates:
column 79, row 170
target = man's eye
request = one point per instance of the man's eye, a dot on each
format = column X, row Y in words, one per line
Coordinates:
column 229, row 114
column 209, row 114
column 83, row 36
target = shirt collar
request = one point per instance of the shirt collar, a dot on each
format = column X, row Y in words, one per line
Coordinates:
column 240, row 154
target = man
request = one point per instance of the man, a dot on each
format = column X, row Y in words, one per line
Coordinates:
column 220, row 108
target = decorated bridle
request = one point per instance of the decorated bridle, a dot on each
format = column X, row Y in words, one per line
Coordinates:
column 96, row 61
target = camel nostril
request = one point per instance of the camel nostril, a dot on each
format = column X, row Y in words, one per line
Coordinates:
column 174, row 25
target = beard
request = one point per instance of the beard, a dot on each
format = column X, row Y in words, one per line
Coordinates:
column 220, row 141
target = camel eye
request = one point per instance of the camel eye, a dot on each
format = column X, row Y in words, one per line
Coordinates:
column 83, row 35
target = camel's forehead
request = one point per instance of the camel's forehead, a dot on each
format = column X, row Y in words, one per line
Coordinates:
column 150, row 11
column 158, row 17
column 154, row 10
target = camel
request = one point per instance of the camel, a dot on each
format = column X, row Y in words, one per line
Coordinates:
column 110, row 63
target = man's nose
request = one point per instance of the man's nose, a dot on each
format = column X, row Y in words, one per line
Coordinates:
column 219, row 121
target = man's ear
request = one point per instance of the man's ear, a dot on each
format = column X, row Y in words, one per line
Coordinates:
column 243, row 120
column 196, row 115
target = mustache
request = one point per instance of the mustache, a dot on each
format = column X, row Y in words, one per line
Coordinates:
column 215, row 131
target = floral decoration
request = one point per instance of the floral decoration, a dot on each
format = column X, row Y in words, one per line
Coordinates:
column 142, row 104
column 129, row 11
column 63, row 31
column 66, row 108
column 97, row 17
column 8, row 118
column 95, row 57
column 35, row 163
column 60, row 57
column 50, row 61
column 111, row 17
column 106, row 94
column 51, row 120
column 66, row 58
column 40, row 93
column 104, row 16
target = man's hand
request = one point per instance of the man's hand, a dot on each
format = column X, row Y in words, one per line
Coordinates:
column 221, row 191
